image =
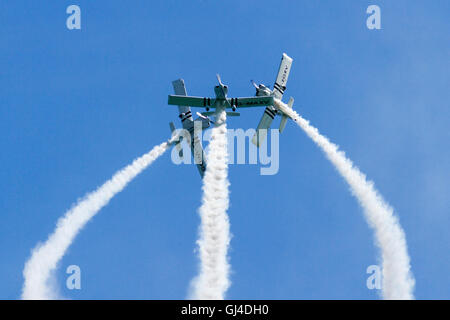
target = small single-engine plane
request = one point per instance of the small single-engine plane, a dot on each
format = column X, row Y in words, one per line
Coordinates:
column 202, row 123
column 277, row 92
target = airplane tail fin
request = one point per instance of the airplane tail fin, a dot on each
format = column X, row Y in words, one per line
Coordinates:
column 283, row 123
column 285, row 117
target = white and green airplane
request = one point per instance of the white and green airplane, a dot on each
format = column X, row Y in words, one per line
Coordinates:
column 277, row 92
column 202, row 122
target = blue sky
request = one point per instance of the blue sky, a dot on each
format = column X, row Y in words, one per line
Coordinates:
column 76, row 106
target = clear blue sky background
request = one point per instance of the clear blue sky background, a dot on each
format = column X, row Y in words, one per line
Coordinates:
column 75, row 106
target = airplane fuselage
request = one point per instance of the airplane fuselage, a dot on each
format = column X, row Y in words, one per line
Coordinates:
column 221, row 92
column 263, row 91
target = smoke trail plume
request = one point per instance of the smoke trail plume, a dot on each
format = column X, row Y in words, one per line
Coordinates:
column 212, row 281
column 398, row 281
column 45, row 257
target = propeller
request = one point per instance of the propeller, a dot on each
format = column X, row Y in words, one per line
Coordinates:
column 254, row 84
column 201, row 116
column 204, row 117
column 218, row 79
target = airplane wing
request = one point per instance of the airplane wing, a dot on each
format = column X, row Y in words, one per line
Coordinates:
column 250, row 102
column 263, row 126
column 183, row 102
column 179, row 100
column 209, row 102
column 199, row 155
column 185, row 113
column 282, row 76
column 278, row 90
column 180, row 89
column 177, row 143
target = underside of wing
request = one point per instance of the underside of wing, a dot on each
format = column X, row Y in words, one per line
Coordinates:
column 282, row 76
column 190, row 101
column 250, row 102
column 199, row 155
column 180, row 90
column 263, row 126
column 185, row 114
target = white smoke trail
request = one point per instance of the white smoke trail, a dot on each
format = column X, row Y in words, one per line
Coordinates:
column 45, row 257
column 398, row 281
column 212, row 281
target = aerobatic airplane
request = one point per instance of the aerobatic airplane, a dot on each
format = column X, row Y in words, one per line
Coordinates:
column 203, row 122
column 277, row 92
column 184, row 102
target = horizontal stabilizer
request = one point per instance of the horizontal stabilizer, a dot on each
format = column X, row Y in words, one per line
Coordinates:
column 211, row 113
column 285, row 117
column 283, row 122
column 290, row 102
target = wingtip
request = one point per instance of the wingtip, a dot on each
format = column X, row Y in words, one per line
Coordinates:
column 287, row 57
column 178, row 80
